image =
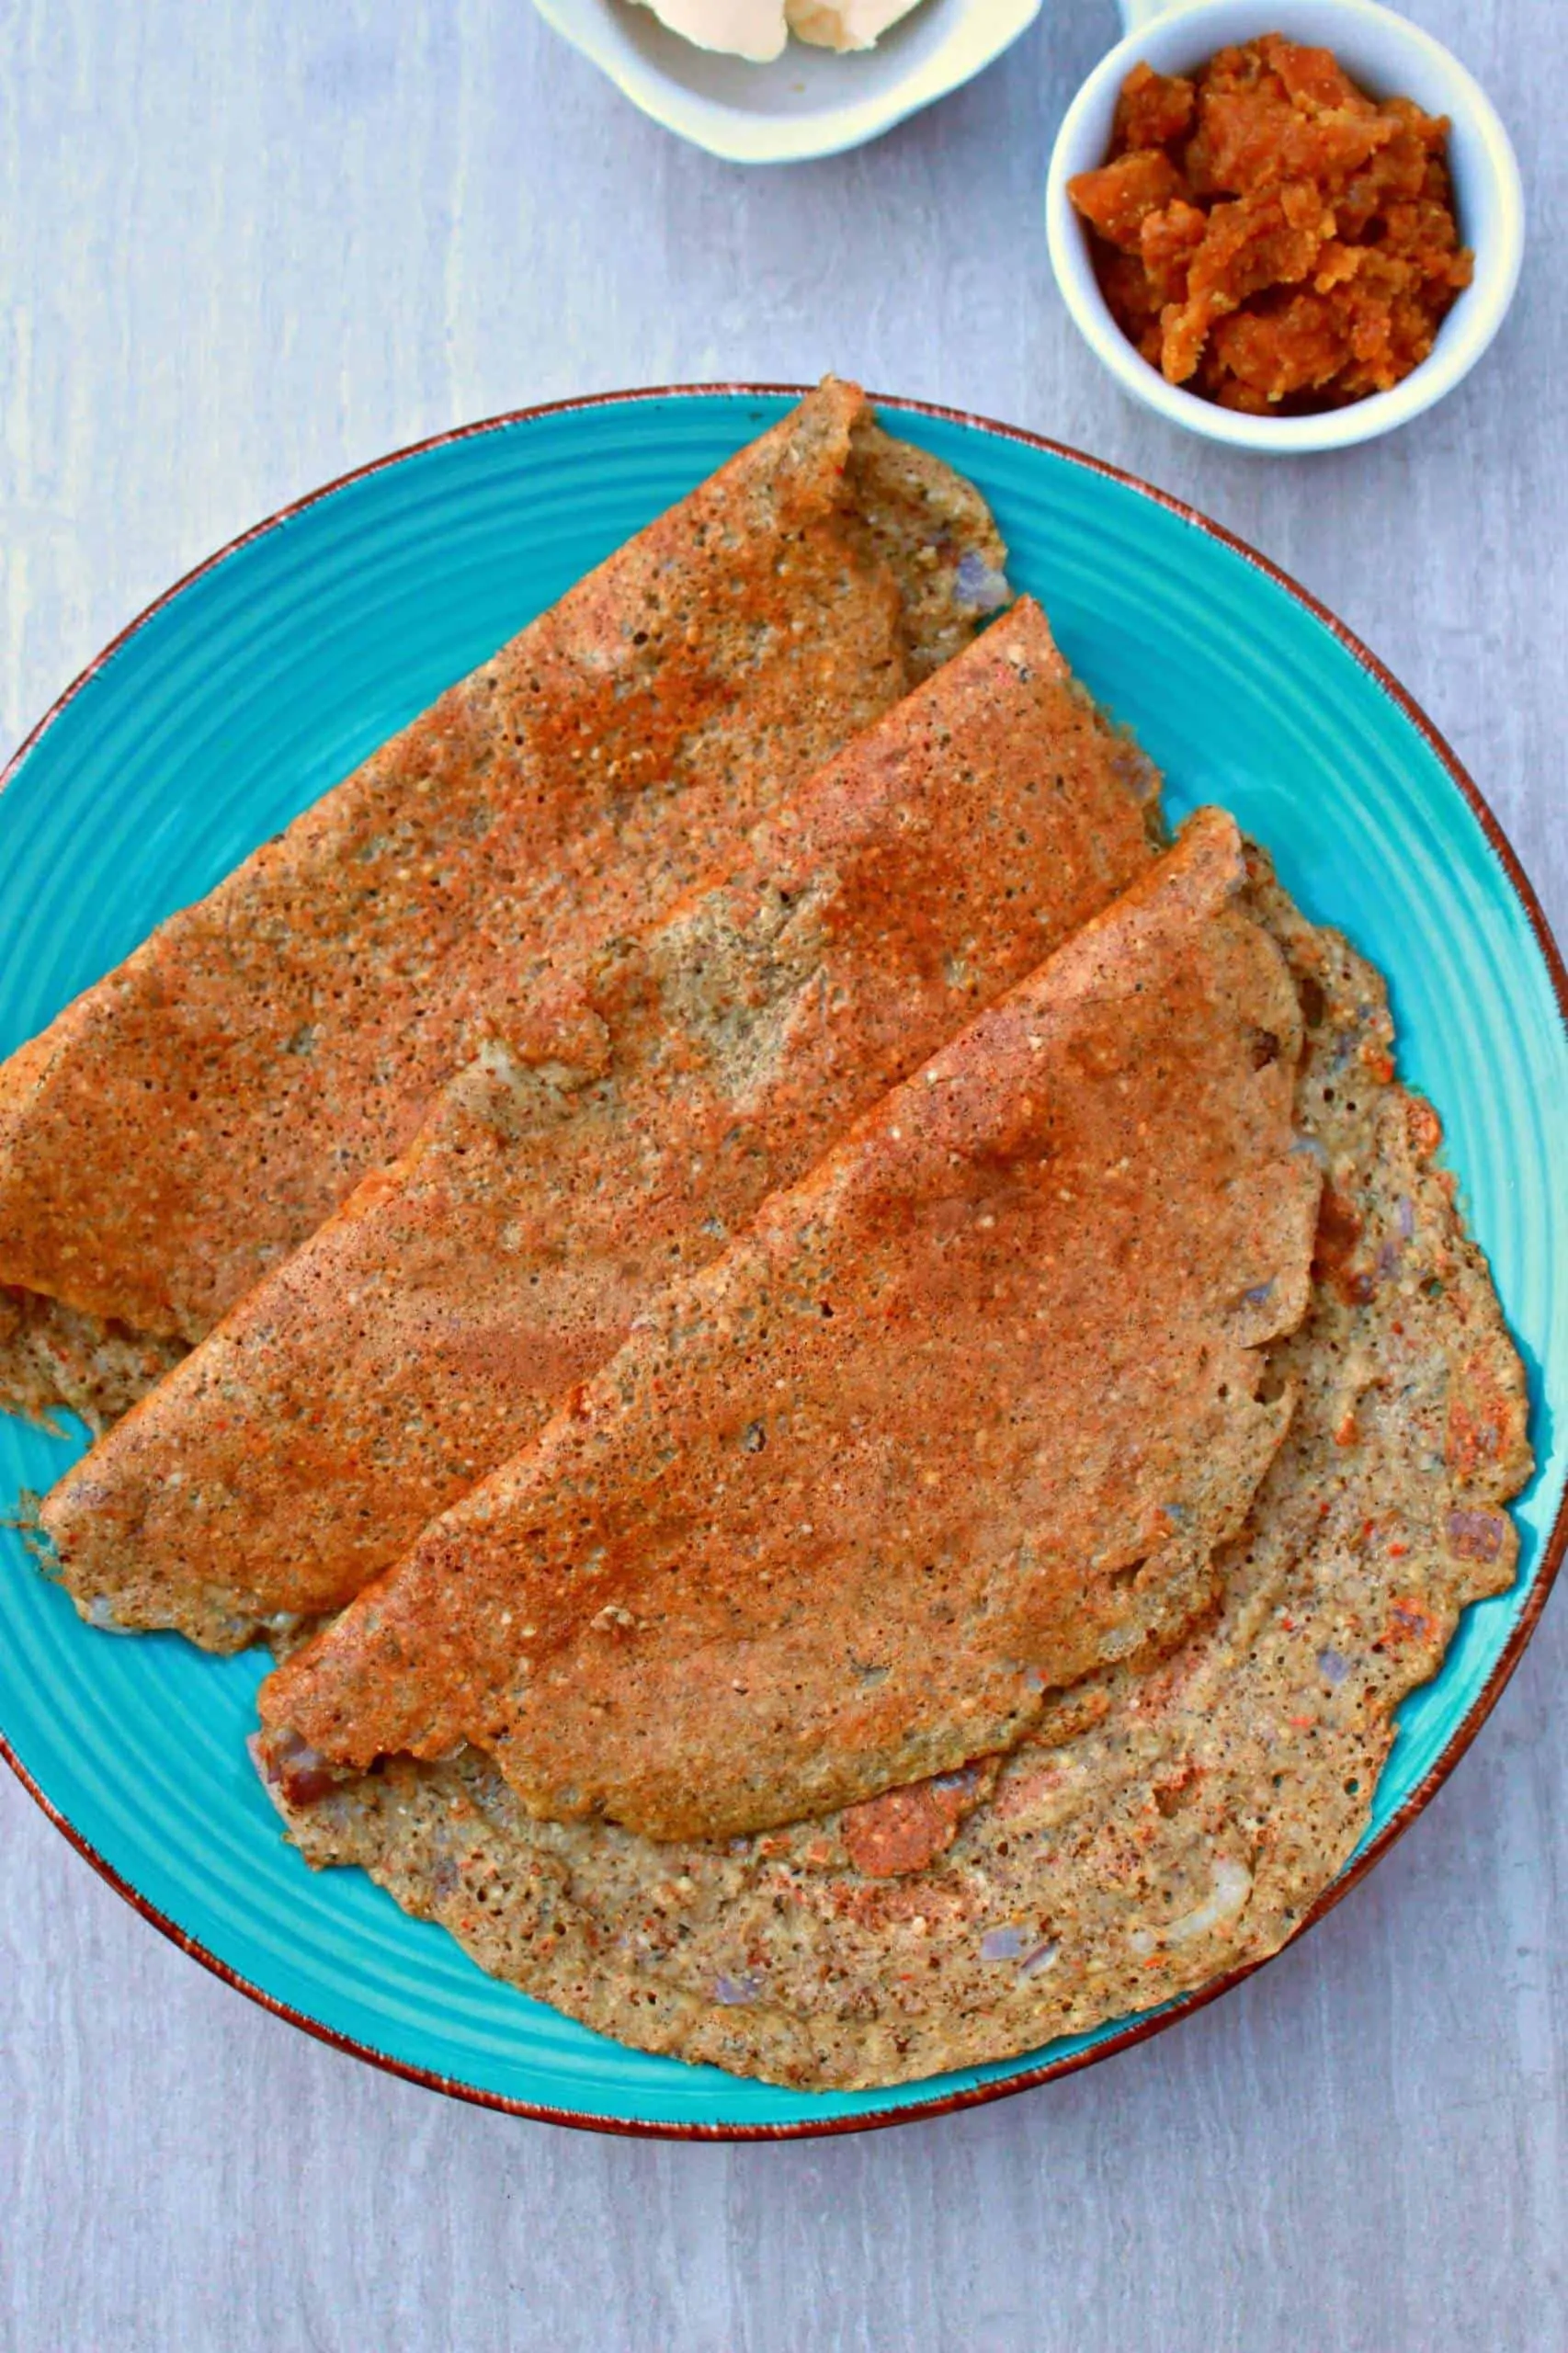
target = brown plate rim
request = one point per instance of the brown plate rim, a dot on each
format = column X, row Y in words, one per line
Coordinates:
column 1186, row 2005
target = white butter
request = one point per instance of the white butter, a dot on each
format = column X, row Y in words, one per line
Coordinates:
column 844, row 23
column 750, row 29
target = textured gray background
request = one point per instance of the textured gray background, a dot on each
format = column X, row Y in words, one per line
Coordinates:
column 245, row 245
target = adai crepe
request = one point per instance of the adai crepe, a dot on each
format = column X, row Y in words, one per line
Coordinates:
column 1157, row 1829
column 962, row 1417
column 199, row 1112
column 627, row 1122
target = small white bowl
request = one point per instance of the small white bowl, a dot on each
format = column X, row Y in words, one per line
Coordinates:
column 808, row 102
column 1389, row 57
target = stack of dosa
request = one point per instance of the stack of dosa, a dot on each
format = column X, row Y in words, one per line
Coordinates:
column 941, row 1566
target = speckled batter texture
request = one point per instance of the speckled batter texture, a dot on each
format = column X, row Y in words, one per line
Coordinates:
column 1167, row 1825
column 631, row 1119
column 963, row 1414
column 54, row 1357
column 199, row 1112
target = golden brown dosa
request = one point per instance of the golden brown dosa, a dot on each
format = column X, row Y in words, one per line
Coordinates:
column 633, row 1115
column 198, row 1113
column 962, row 1417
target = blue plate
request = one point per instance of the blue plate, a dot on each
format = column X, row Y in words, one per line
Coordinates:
column 276, row 667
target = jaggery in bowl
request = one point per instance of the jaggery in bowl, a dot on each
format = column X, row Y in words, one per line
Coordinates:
column 1388, row 57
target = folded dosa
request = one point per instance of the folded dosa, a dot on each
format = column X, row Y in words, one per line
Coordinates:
column 1163, row 1825
column 198, row 1113
column 630, row 1118
column 961, row 1417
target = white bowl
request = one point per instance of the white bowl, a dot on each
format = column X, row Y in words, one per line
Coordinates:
column 1390, row 57
column 808, row 102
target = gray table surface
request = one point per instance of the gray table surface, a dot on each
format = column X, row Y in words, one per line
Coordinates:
column 246, row 246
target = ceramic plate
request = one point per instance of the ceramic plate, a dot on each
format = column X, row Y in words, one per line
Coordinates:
column 278, row 666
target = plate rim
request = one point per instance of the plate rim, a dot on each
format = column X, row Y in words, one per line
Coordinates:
column 1553, row 1549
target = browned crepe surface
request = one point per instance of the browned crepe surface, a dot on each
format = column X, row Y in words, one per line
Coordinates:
column 1158, row 1830
column 962, row 1417
column 199, row 1112
column 633, row 1116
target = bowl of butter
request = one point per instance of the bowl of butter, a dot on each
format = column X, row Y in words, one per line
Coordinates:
column 776, row 81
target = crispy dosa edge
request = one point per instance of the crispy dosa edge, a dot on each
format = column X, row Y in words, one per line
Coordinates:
column 583, row 1614
column 1159, row 1831
column 421, row 1336
column 147, row 1234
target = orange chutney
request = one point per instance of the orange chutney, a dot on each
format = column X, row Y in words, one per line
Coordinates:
column 1269, row 235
